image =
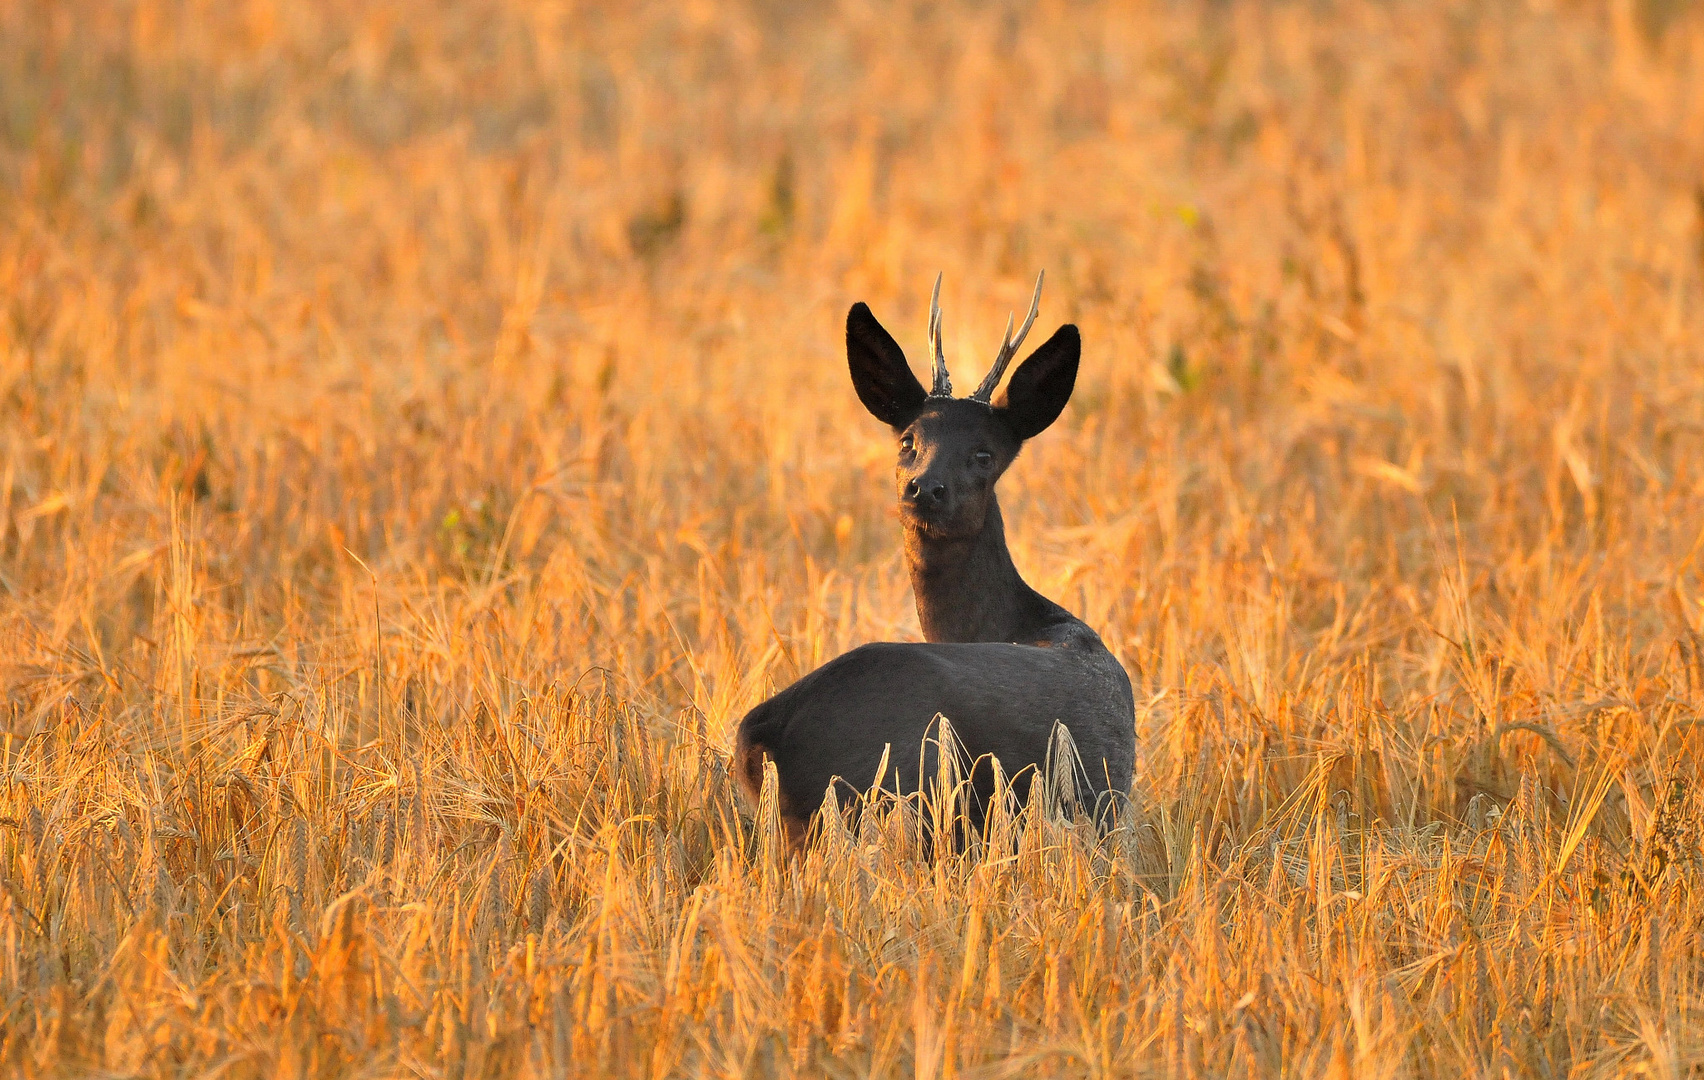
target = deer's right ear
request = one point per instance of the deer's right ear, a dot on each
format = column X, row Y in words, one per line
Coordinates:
column 1042, row 384
column 880, row 374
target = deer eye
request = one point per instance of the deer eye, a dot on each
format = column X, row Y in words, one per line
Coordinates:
column 984, row 458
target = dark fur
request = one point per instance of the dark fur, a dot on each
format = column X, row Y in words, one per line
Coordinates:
column 1002, row 662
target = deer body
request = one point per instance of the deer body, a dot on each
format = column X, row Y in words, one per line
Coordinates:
column 1001, row 662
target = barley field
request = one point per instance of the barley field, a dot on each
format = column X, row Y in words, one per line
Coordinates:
column 425, row 431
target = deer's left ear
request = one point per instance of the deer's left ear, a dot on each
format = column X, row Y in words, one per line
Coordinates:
column 1042, row 384
column 880, row 374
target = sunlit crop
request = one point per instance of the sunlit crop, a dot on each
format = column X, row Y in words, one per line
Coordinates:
column 425, row 431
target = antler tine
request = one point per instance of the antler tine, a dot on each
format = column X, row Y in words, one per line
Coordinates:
column 943, row 382
column 1009, row 349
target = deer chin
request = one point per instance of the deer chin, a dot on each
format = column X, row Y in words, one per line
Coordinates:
column 940, row 528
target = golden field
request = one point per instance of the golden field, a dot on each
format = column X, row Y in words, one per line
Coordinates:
column 425, row 430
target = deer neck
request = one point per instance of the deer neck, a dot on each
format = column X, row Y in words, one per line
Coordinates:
column 969, row 590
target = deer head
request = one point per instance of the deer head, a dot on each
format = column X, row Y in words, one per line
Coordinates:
column 953, row 450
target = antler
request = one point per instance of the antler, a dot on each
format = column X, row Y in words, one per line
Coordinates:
column 985, row 392
column 943, row 382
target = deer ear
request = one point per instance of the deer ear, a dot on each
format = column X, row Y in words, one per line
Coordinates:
column 880, row 374
column 1042, row 384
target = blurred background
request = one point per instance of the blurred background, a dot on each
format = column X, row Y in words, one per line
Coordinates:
column 485, row 288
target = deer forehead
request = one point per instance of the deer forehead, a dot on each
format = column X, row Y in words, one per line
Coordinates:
column 960, row 421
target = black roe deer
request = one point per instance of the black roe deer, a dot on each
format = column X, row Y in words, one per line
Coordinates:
column 1001, row 662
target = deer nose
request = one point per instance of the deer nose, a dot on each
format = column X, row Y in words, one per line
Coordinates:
column 926, row 493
